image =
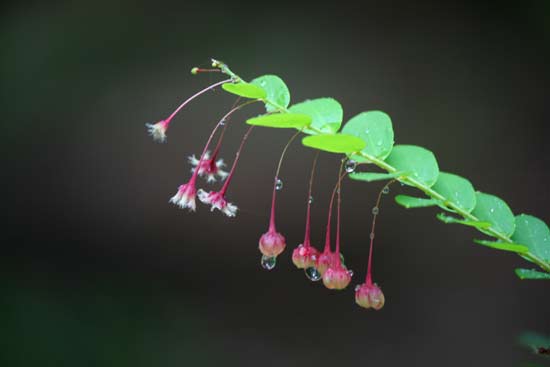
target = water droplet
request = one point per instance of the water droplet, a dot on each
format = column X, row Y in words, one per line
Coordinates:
column 379, row 142
column 386, row 190
column 350, row 272
column 375, row 210
column 367, row 131
column 262, row 83
column 350, row 166
column 310, row 200
column 312, row 274
column 372, row 236
column 278, row 184
column 268, row 262
column 492, row 210
column 222, row 122
column 357, row 287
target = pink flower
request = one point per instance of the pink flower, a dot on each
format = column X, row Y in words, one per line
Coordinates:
column 185, row 197
column 369, row 295
column 158, row 130
column 217, row 200
column 272, row 243
column 209, row 167
column 325, row 260
column 336, row 277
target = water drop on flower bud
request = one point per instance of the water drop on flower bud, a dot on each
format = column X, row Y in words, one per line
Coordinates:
column 375, row 210
column 268, row 262
column 350, row 166
column 386, row 190
column 278, row 184
column 350, row 272
column 312, row 274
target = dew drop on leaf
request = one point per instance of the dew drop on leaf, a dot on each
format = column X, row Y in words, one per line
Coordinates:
column 350, row 166
column 312, row 274
column 268, row 262
column 278, row 184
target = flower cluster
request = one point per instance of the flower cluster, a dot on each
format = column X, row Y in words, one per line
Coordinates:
column 327, row 265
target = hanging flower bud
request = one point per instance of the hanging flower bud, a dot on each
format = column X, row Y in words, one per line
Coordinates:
column 336, row 277
column 305, row 256
column 272, row 243
column 369, row 295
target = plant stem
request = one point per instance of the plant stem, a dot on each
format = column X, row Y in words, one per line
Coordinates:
column 272, row 226
column 237, row 155
column 307, row 240
column 169, row 119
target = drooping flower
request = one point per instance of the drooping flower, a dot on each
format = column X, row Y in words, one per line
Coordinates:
column 208, row 167
column 158, row 130
column 217, row 201
column 369, row 295
column 185, row 197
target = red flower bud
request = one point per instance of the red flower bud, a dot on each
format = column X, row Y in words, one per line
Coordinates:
column 369, row 295
column 336, row 277
column 304, row 256
column 272, row 243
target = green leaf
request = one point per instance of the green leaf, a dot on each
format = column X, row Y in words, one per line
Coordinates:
column 375, row 128
column 337, row 143
column 533, row 233
column 281, row 120
column 494, row 210
column 414, row 202
column 531, row 274
column 512, row 247
column 326, row 114
column 419, row 161
column 277, row 92
column 456, row 190
column 453, row 220
column 246, row 90
column 375, row 176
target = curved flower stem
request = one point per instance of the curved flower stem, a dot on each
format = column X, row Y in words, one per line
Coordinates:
column 272, row 226
column 169, row 119
column 237, row 155
column 220, row 138
column 233, row 110
column 307, row 240
column 368, row 279
column 340, row 177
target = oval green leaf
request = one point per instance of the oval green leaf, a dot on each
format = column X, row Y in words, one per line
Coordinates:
column 456, row 190
column 417, row 160
column 531, row 274
column 471, row 223
column 336, row 143
column 504, row 246
column 281, row 120
column 277, row 93
column 414, row 202
column 376, row 129
column 494, row 210
column 245, row 90
column 375, row 176
column 533, row 233
column 326, row 114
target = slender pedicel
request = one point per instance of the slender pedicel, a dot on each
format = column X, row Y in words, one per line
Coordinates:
column 158, row 130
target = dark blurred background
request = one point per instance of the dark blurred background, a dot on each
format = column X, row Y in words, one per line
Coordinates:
column 98, row 269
